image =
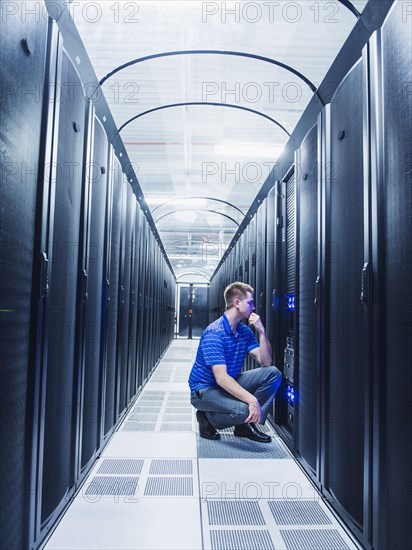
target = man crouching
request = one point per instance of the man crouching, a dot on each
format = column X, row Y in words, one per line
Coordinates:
column 222, row 395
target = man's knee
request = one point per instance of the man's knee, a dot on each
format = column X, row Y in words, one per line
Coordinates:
column 274, row 375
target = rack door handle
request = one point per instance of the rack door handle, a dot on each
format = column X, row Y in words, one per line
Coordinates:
column 316, row 301
column 44, row 275
column 365, row 284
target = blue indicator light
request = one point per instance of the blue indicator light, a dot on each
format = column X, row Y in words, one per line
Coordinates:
column 290, row 392
column 290, row 301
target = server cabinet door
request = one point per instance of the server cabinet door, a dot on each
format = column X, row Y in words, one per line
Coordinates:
column 22, row 74
column 200, row 308
column 285, row 287
column 123, row 301
column 134, row 297
column 114, row 213
column 140, row 303
column 61, row 376
column 306, row 370
column 343, row 261
column 270, row 264
column 392, row 252
column 142, row 300
column 92, row 390
column 260, row 294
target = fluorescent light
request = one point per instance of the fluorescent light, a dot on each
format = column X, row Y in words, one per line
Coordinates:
column 185, row 216
column 199, row 258
column 187, row 202
column 158, row 199
column 243, row 149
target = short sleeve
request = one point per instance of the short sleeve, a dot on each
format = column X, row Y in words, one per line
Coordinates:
column 213, row 349
column 251, row 343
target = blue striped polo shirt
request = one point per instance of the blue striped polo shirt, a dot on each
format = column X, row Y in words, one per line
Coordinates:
column 220, row 346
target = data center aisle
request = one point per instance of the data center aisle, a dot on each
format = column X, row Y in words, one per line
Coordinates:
column 159, row 486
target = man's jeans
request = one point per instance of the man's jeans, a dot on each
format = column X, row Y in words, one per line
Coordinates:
column 223, row 410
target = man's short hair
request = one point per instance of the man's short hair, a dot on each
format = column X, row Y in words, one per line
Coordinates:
column 234, row 291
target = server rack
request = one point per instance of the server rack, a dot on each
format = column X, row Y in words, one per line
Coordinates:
column 390, row 77
column 260, row 295
column 305, row 364
column 22, row 254
column 345, row 341
column 61, row 375
column 132, row 384
column 112, row 285
column 92, row 380
column 284, row 297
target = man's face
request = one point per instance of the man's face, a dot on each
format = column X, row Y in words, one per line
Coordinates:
column 246, row 306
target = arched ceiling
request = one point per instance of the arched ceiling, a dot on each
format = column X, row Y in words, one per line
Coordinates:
column 194, row 150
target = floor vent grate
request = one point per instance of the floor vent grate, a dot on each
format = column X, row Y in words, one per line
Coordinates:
column 138, row 427
column 316, row 539
column 121, row 466
column 235, row 447
column 167, row 467
column 176, row 427
column 176, row 410
column 298, row 512
column 235, row 512
column 143, row 417
column 111, row 486
column 177, row 417
column 241, row 540
column 169, row 486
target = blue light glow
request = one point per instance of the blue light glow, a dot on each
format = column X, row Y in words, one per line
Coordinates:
column 290, row 392
column 290, row 301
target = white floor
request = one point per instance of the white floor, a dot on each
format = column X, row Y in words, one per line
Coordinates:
column 159, row 486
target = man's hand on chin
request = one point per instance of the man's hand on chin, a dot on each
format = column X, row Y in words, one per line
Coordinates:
column 255, row 321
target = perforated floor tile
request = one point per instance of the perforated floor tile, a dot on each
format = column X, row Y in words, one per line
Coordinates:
column 121, row 466
column 241, row 540
column 234, row 447
column 166, row 467
column 176, row 427
column 174, row 410
column 316, row 539
column 177, row 417
column 143, row 417
column 111, row 486
column 298, row 512
column 169, row 486
column 266, row 428
column 234, row 512
column 138, row 427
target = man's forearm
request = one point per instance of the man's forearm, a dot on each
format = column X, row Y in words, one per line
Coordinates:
column 265, row 350
column 231, row 386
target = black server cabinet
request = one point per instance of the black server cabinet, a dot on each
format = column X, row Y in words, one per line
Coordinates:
column 134, row 285
column 123, row 300
column 273, row 284
column 250, row 247
column 285, row 278
column 25, row 72
column 92, row 377
column 391, row 184
column 303, row 363
column 271, row 216
column 61, row 376
column 112, row 284
column 343, row 333
column 260, row 294
column 142, row 318
column 242, row 254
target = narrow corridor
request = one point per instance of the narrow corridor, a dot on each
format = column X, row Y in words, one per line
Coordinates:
column 158, row 485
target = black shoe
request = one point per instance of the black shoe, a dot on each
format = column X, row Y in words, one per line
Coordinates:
column 206, row 429
column 251, row 432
